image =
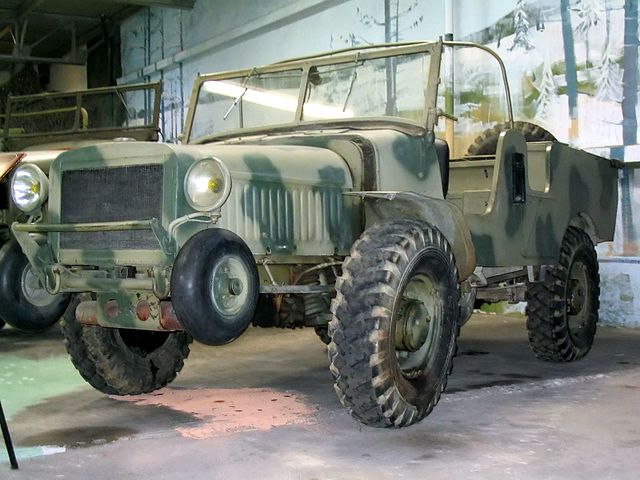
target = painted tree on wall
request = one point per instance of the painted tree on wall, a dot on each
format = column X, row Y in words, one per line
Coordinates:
column 609, row 81
column 570, row 64
column 589, row 13
column 399, row 17
column 547, row 90
column 521, row 25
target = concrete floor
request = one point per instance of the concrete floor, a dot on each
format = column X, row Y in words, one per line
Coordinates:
column 505, row 414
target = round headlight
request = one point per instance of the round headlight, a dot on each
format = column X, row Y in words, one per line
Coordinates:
column 29, row 187
column 207, row 184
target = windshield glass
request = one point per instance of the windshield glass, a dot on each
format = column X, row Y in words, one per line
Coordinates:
column 352, row 86
column 249, row 101
column 379, row 87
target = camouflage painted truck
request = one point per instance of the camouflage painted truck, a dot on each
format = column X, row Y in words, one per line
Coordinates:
column 315, row 192
column 36, row 129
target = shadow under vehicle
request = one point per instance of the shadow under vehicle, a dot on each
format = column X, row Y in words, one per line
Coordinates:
column 36, row 129
column 315, row 192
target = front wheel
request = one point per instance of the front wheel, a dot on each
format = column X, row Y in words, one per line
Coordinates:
column 118, row 361
column 24, row 303
column 395, row 323
column 215, row 286
column 562, row 310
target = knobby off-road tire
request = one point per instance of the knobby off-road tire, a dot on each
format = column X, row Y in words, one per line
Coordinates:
column 379, row 379
column 123, row 362
column 562, row 310
column 487, row 142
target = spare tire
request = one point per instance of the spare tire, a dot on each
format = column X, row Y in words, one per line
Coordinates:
column 487, row 142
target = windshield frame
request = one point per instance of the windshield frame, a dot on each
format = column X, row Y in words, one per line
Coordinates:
column 305, row 64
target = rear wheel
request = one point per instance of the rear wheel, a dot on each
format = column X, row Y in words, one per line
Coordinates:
column 562, row 310
column 24, row 303
column 395, row 323
column 120, row 361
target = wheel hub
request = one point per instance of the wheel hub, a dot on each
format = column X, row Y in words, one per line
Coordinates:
column 418, row 325
column 33, row 291
column 577, row 298
column 229, row 285
column 413, row 325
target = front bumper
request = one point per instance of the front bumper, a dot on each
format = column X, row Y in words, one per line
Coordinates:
column 56, row 277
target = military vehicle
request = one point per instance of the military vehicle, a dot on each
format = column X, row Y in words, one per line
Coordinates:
column 36, row 129
column 315, row 192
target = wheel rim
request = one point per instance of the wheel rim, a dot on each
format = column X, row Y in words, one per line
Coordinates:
column 418, row 326
column 578, row 299
column 33, row 291
column 230, row 285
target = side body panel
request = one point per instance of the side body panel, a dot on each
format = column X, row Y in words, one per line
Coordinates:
column 559, row 186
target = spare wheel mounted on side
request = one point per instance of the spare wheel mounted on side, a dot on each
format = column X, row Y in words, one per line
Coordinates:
column 215, row 286
column 487, row 142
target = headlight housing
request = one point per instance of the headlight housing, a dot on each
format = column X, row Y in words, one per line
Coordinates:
column 207, row 184
column 29, row 187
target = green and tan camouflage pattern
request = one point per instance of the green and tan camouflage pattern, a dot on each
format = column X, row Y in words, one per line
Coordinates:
column 564, row 186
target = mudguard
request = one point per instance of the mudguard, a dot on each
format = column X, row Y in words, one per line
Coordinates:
column 440, row 213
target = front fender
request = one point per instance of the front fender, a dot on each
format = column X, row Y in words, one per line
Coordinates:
column 443, row 215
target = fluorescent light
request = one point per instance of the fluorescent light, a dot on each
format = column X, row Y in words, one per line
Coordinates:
column 275, row 100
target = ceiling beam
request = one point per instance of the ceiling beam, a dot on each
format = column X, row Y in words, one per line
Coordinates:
column 9, row 15
column 26, row 7
column 184, row 4
column 79, row 58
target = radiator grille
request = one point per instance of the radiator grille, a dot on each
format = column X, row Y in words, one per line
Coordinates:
column 132, row 192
